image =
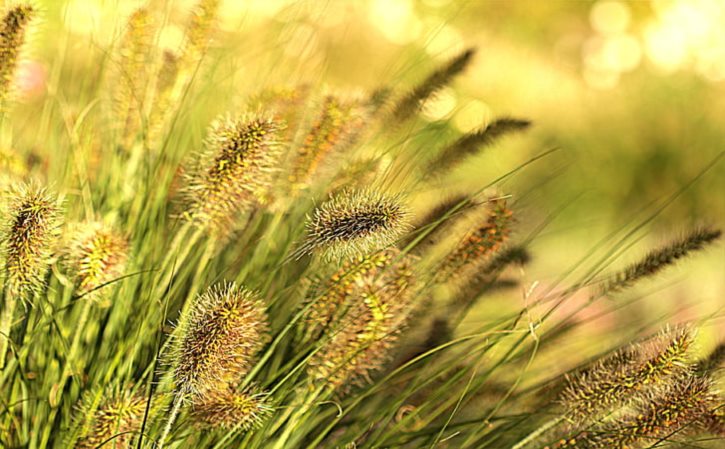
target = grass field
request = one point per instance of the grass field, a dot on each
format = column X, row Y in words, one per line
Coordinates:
column 358, row 225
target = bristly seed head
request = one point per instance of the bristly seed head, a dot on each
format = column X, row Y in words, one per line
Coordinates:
column 355, row 223
column 28, row 237
column 229, row 409
column 622, row 376
column 233, row 173
column 113, row 423
column 657, row 260
column 225, row 328
column 96, row 255
column 479, row 244
column 13, row 30
column 366, row 307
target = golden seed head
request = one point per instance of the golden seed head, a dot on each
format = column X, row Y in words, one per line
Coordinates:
column 229, row 409
column 334, row 126
column 226, row 327
column 113, row 422
column 131, row 77
column 683, row 404
column 96, row 255
column 13, row 30
column 479, row 244
column 359, row 315
column 28, row 237
column 627, row 374
column 234, row 172
column 659, row 259
column 355, row 223
column 198, row 30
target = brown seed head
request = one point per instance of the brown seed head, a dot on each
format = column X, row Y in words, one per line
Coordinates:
column 28, row 237
column 225, row 328
column 13, row 31
column 370, row 308
column 113, row 423
column 233, row 173
column 355, row 223
column 228, row 409
column 97, row 255
column 627, row 374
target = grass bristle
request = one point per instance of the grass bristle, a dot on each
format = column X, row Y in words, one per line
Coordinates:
column 354, row 223
column 229, row 409
column 225, row 328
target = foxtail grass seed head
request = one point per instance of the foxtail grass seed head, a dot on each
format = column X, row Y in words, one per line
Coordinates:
column 714, row 361
column 226, row 327
column 286, row 104
column 229, row 409
column 334, row 127
column 659, row 259
column 679, row 407
column 627, row 374
column 97, row 254
column 367, row 326
column 354, row 223
column 132, row 77
column 198, row 30
column 470, row 143
column 30, row 233
column 13, row 34
column 480, row 244
column 233, row 173
column 411, row 103
column 437, row 221
column 113, row 423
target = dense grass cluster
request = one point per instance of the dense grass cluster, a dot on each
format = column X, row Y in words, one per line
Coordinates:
column 298, row 278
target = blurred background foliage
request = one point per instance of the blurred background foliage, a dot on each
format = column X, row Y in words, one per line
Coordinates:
column 631, row 93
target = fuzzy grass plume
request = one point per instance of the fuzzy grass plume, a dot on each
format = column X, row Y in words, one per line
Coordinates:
column 623, row 376
column 661, row 258
column 370, row 306
column 410, row 103
column 355, row 223
column 233, row 173
column 334, row 126
column 230, row 409
column 13, row 33
column 97, row 255
column 225, row 328
column 28, row 238
column 479, row 244
column 110, row 419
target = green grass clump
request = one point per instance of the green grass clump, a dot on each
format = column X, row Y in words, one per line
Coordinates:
column 295, row 273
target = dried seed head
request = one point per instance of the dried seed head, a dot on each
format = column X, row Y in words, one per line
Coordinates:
column 198, row 30
column 369, row 308
column 131, row 78
column 480, row 244
column 355, row 223
column 112, row 423
column 472, row 142
column 681, row 406
column 713, row 361
column 661, row 258
column 626, row 374
column 233, row 173
column 28, row 237
column 286, row 105
column 96, row 255
column 225, row 328
column 229, row 409
column 409, row 104
column 334, row 127
column 13, row 32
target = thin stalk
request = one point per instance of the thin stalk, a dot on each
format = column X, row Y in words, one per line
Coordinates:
column 6, row 322
column 538, row 432
column 176, row 408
